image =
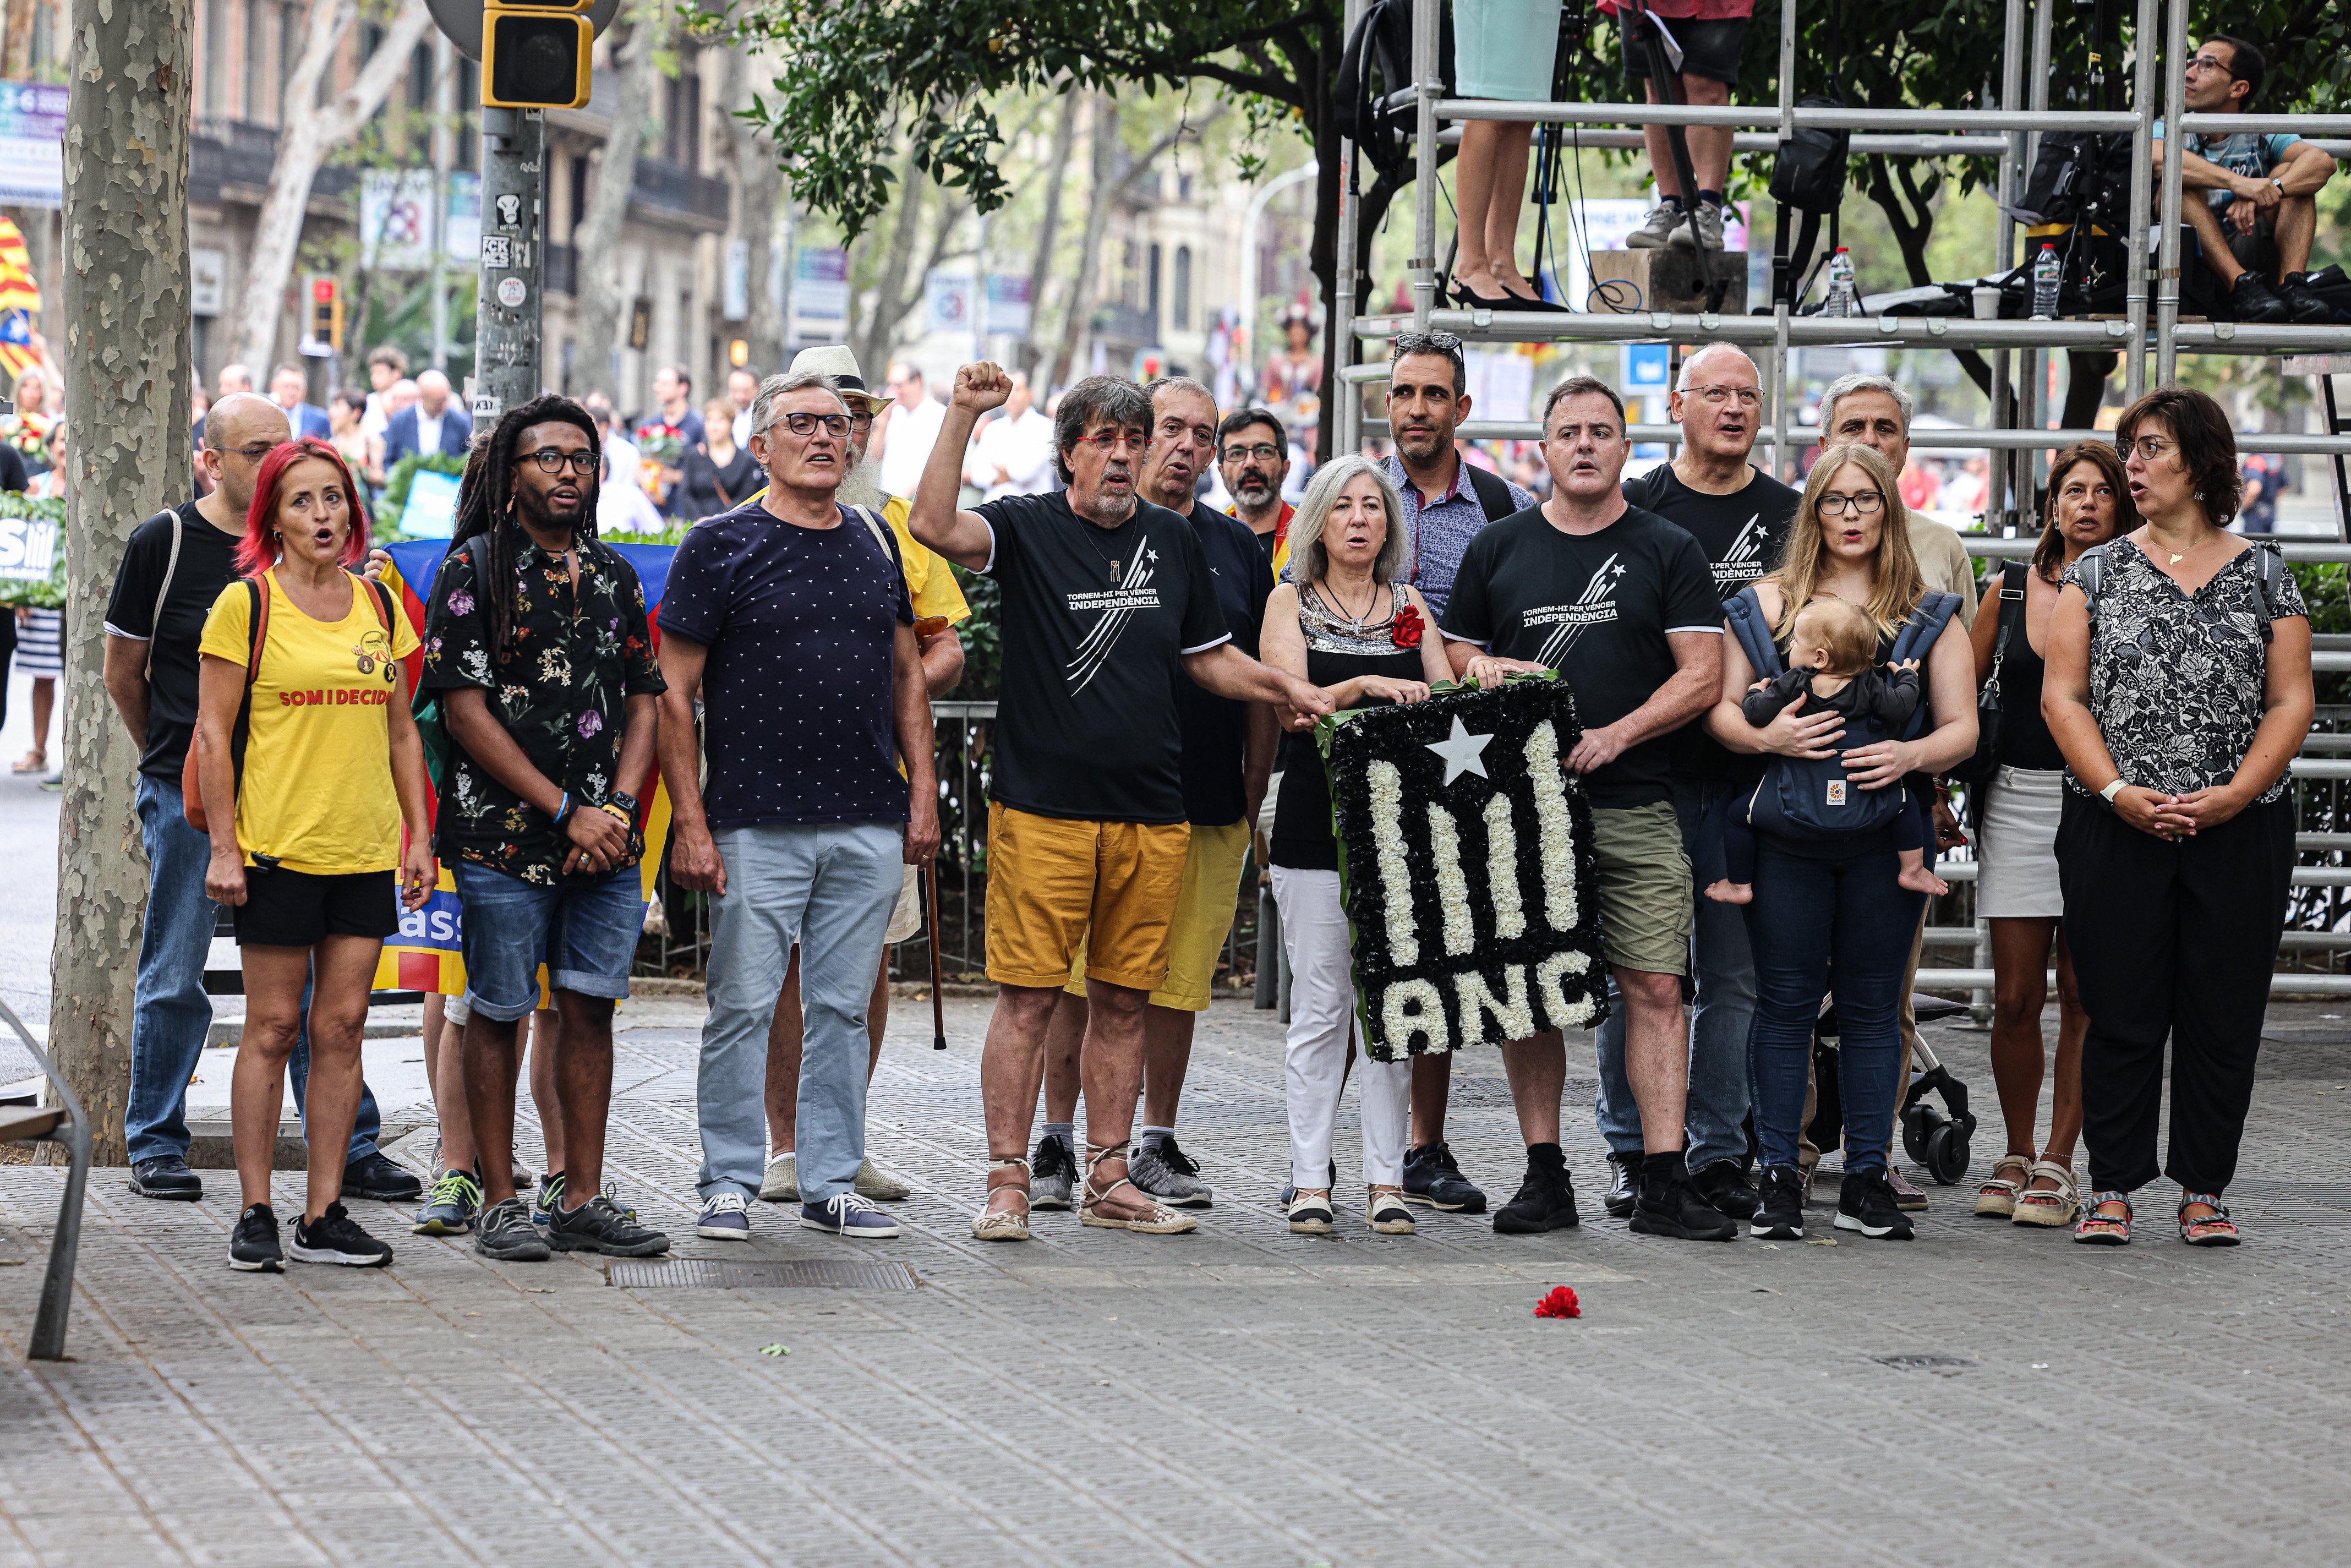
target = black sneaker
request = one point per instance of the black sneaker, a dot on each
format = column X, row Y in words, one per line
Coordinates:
column 599, row 1224
column 373, row 1175
column 1865, row 1203
column 1623, row 1185
column 1671, row 1206
column 2253, row 300
column 166, row 1176
column 1431, row 1177
column 1780, row 1214
column 336, row 1238
column 2303, row 304
column 252, row 1245
column 1544, row 1201
column 505, row 1232
column 1723, row 1187
column 1052, row 1173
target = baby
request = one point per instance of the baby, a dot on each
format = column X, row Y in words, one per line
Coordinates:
column 1832, row 652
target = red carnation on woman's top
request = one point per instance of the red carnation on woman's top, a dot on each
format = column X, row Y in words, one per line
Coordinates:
column 1407, row 628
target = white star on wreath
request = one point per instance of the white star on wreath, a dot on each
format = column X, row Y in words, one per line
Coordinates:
column 1460, row 750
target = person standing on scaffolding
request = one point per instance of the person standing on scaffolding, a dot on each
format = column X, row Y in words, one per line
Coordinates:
column 1708, row 35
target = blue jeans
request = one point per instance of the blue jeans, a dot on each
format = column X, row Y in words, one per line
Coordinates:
column 1715, row 1120
column 1820, row 923
column 829, row 887
column 172, row 1014
column 584, row 930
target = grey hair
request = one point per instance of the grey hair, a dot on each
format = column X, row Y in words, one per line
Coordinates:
column 782, row 384
column 1308, row 560
column 1157, row 384
column 1682, row 381
column 1113, row 400
column 1845, row 386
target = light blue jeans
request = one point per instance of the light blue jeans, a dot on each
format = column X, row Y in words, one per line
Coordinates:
column 1714, row 1123
column 171, row 1014
column 829, row 887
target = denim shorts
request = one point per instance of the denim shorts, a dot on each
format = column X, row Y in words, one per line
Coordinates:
column 585, row 931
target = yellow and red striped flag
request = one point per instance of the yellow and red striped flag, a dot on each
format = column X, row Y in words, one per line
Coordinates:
column 20, row 301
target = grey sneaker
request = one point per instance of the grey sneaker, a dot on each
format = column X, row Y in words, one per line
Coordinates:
column 1657, row 229
column 599, row 1224
column 1710, row 228
column 873, row 1182
column 1053, row 1173
column 1167, row 1173
column 782, row 1182
column 505, row 1232
column 455, row 1198
column 550, row 1193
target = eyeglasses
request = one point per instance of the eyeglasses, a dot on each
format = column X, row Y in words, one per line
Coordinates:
column 1864, row 505
column 835, row 424
column 1749, row 397
column 1109, row 441
column 1264, row 452
column 1445, row 343
column 2211, row 63
column 252, row 452
column 2150, row 448
column 551, row 461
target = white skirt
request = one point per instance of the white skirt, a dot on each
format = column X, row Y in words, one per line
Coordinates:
column 2017, row 845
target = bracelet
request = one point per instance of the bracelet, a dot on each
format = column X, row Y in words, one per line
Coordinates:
column 2111, row 790
column 627, row 820
column 564, row 809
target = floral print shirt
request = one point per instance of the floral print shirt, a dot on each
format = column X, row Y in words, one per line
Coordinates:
column 564, row 695
column 2177, row 679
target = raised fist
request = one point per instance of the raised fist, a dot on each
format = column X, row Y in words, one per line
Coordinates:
column 980, row 387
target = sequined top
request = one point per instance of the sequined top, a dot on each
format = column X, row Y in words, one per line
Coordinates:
column 1338, row 648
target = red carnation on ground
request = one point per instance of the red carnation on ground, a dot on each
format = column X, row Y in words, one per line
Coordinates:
column 1559, row 1303
column 1407, row 628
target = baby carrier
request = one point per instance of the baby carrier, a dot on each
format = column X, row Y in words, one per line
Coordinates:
column 1812, row 798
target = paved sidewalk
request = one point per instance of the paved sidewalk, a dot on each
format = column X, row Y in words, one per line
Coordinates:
column 1237, row 1396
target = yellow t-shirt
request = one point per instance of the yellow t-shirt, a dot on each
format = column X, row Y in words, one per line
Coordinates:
column 316, row 791
column 930, row 581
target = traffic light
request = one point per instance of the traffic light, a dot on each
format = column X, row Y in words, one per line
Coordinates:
column 326, row 313
column 535, row 56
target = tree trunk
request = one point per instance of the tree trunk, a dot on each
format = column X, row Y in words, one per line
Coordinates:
column 870, row 339
column 304, row 137
column 597, row 241
column 1099, row 191
column 128, row 346
column 1048, row 229
column 759, row 185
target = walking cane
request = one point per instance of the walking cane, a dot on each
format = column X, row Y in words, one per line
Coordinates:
column 931, row 918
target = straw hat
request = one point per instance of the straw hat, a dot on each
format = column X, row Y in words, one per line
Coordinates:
column 834, row 359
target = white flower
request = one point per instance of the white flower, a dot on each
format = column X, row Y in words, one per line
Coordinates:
column 1557, row 833
column 1502, row 870
column 1412, row 1008
column 1386, row 788
column 1516, row 1017
column 1563, row 1015
column 1452, row 887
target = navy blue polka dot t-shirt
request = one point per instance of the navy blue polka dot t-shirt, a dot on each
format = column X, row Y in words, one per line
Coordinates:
column 799, row 625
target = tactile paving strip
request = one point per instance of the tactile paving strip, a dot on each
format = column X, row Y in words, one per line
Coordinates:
column 774, row 1274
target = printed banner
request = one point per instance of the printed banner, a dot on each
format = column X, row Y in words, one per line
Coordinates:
column 32, row 143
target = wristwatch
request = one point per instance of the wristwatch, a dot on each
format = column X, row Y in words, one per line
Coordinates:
column 2111, row 790
column 626, row 801
column 2279, row 184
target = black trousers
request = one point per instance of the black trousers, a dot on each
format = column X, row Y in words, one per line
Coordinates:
column 2171, row 940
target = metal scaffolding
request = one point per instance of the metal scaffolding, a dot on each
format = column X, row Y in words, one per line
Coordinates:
column 2147, row 322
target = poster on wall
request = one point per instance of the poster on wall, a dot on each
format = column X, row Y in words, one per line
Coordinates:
column 32, row 143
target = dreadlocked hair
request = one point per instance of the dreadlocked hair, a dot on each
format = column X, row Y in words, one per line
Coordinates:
column 485, row 505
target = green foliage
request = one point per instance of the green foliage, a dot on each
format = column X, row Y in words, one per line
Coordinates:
column 2326, row 594
column 983, row 637
column 395, row 489
column 51, row 594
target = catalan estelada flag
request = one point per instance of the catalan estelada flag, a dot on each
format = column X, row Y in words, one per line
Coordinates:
column 20, row 302
column 428, row 954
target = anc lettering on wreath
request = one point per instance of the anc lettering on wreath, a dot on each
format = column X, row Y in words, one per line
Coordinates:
column 1466, row 867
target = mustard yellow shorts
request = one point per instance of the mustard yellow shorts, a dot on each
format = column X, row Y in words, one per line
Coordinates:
column 1204, row 918
column 1052, row 880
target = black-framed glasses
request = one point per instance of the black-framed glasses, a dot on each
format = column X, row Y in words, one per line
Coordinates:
column 551, row 461
column 1445, row 343
column 835, row 424
column 2212, row 63
column 1264, row 451
column 1865, row 505
column 2150, row 447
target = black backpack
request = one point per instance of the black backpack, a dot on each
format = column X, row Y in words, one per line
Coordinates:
column 1809, row 173
column 1372, row 100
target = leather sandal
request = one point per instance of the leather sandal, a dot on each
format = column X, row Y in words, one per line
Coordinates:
column 1998, row 1195
column 1004, row 1224
column 2045, row 1206
column 1156, row 1218
column 2217, row 1230
column 2096, row 1229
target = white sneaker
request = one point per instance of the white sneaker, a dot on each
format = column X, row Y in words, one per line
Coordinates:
column 1657, row 229
column 782, row 1182
column 873, row 1182
column 1709, row 229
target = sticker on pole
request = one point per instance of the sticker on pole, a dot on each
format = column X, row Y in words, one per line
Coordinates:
column 512, row 292
column 497, row 251
column 487, row 407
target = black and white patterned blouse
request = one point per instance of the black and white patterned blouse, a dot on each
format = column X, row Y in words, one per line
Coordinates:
column 2176, row 678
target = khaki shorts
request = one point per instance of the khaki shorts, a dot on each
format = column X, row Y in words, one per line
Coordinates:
column 1645, row 888
column 1204, row 918
column 1055, row 885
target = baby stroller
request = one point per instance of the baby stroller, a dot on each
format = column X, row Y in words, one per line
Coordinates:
column 1935, row 1139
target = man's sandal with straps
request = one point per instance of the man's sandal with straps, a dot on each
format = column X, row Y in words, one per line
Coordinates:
column 2098, row 1228
column 1997, row 1196
column 1004, row 1224
column 2215, row 1229
column 1155, row 1218
column 2050, row 1207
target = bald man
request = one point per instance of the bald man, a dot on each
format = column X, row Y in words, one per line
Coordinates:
column 177, row 563
column 433, row 423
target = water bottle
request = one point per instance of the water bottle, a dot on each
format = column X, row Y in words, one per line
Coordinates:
column 2047, row 271
column 1840, row 301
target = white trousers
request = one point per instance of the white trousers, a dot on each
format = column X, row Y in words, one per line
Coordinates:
column 1322, row 1022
